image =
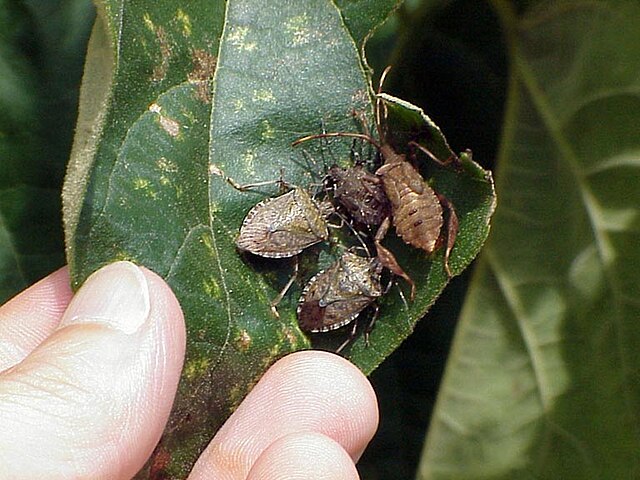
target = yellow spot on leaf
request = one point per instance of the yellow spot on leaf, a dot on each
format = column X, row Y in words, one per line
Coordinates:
column 165, row 165
column 144, row 185
column 238, row 105
column 243, row 341
column 196, row 367
column 206, row 241
column 248, row 159
column 263, row 95
column 238, row 38
column 148, row 22
column 298, row 28
column 291, row 338
column 211, row 288
column 268, row 131
column 141, row 184
column 186, row 22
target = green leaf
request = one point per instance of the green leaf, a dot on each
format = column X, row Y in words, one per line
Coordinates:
column 543, row 378
column 176, row 94
column 38, row 41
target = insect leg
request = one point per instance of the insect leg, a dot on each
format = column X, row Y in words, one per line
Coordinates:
column 215, row 170
column 452, row 229
column 388, row 259
column 372, row 321
column 352, row 335
column 280, row 296
column 453, row 159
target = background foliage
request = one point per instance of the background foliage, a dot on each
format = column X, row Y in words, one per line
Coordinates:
column 542, row 380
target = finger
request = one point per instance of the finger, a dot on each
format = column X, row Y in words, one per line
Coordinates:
column 300, row 456
column 92, row 400
column 31, row 316
column 308, row 391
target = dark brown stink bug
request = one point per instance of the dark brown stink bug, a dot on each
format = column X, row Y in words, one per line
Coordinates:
column 360, row 193
column 335, row 296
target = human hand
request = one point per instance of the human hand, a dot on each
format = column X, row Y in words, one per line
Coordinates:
column 86, row 386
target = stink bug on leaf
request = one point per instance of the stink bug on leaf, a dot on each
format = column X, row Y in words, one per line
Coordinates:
column 360, row 193
column 284, row 226
column 336, row 296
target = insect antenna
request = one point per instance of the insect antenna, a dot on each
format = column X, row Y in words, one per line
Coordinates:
column 362, row 136
column 381, row 109
column 308, row 165
column 453, row 159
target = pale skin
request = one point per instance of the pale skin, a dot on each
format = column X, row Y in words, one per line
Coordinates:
column 87, row 383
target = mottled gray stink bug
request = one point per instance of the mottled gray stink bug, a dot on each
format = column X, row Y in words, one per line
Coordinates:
column 284, row 226
column 335, row 296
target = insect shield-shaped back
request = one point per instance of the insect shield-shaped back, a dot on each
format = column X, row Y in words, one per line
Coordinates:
column 283, row 226
column 336, row 296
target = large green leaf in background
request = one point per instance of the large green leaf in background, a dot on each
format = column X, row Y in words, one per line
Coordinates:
column 543, row 378
column 172, row 91
column 38, row 42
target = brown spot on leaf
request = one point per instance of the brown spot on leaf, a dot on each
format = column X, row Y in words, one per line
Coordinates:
column 169, row 125
column 159, row 462
column 204, row 64
column 160, row 71
column 243, row 341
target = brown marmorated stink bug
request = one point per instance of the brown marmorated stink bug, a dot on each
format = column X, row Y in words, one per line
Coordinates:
column 417, row 211
column 334, row 297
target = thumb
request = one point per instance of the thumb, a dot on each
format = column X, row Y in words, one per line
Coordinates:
column 92, row 399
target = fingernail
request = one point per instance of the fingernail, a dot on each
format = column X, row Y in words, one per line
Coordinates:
column 116, row 296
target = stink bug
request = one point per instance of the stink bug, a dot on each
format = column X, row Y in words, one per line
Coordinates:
column 284, row 226
column 360, row 193
column 335, row 296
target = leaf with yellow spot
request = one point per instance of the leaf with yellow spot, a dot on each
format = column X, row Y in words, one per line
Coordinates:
column 165, row 107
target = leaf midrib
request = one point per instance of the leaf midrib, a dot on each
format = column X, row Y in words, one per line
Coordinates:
column 522, row 72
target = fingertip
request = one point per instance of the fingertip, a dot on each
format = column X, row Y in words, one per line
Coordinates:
column 311, row 391
column 300, row 456
column 31, row 316
column 354, row 400
column 165, row 304
column 92, row 399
